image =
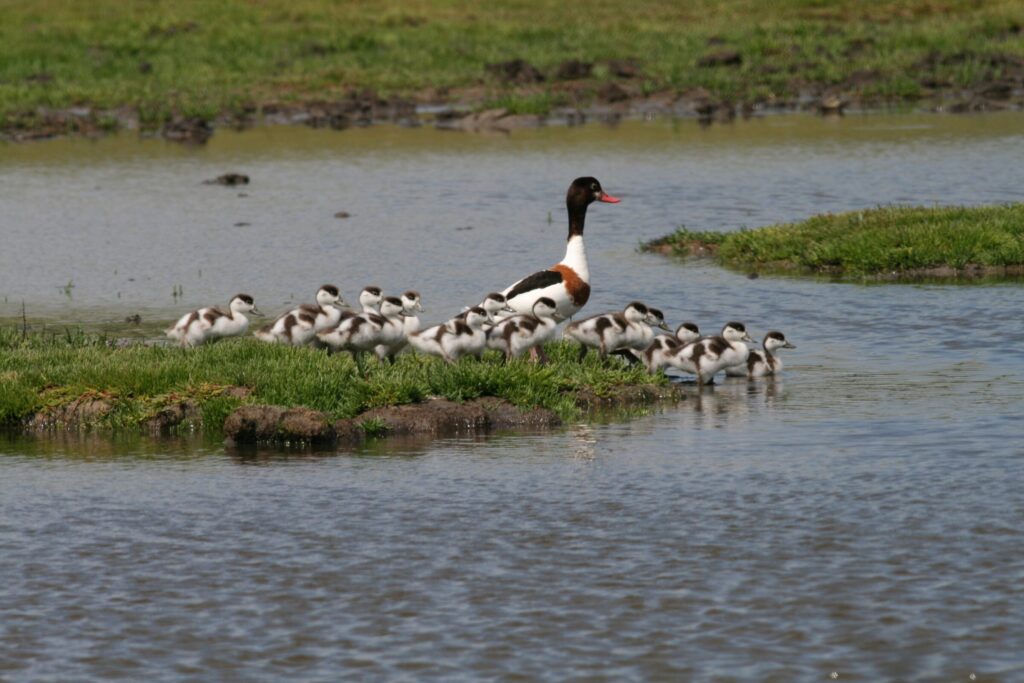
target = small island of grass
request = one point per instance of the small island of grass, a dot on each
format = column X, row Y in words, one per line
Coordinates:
column 888, row 242
column 256, row 392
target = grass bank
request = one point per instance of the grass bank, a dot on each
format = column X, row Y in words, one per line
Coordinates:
column 891, row 241
column 44, row 377
column 90, row 65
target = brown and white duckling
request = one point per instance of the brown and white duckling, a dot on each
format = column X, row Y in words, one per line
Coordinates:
column 211, row 323
column 662, row 347
column 365, row 331
column 761, row 363
column 609, row 331
column 708, row 355
column 567, row 282
column 411, row 307
column 455, row 338
column 299, row 326
column 519, row 333
column 496, row 307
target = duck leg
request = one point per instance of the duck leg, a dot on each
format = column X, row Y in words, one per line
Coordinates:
column 542, row 355
column 584, row 350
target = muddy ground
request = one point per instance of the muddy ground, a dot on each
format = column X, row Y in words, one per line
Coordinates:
column 627, row 95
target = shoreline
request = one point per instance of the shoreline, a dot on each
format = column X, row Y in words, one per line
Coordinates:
column 470, row 113
column 273, row 425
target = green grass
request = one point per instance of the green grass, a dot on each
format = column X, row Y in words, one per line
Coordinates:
column 204, row 57
column 43, row 371
column 883, row 240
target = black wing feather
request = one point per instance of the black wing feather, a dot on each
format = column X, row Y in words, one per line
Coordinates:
column 539, row 280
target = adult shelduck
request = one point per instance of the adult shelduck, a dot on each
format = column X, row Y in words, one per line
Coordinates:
column 567, row 283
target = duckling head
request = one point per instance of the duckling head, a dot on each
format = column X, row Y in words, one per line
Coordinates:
column 411, row 302
column 656, row 318
column 243, row 303
column 687, row 332
column 476, row 317
column 370, row 297
column 545, row 307
column 636, row 312
column 329, row 295
column 495, row 303
column 391, row 307
column 734, row 331
column 776, row 340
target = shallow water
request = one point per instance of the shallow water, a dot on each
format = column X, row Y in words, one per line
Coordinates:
column 862, row 516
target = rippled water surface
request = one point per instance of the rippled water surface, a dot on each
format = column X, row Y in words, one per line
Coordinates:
column 862, row 516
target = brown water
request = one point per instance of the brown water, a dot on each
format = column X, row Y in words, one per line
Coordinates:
column 862, row 516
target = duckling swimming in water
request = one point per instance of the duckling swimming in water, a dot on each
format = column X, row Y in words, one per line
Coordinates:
column 299, row 326
column 519, row 333
column 708, row 355
column 455, row 338
column 662, row 347
column 211, row 323
column 761, row 363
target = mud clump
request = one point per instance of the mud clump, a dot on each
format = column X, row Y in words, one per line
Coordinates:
column 169, row 417
column 627, row 395
column 228, row 179
column 515, row 71
column 612, row 93
column 76, row 414
column 436, row 417
column 720, row 58
column 623, row 68
column 262, row 423
column 574, row 69
column 189, row 130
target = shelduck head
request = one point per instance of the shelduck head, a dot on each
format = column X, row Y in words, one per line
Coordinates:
column 476, row 317
column 582, row 193
column 687, row 332
column 243, row 303
column 329, row 295
column 656, row 318
column 545, row 307
column 370, row 298
column 636, row 312
column 411, row 302
column 776, row 340
column 734, row 332
column 391, row 307
column 587, row 190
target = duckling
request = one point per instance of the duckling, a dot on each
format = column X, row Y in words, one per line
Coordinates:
column 761, row 363
column 298, row 326
column 366, row 331
column 656, row 355
column 211, row 323
column 521, row 332
column 410, row 324
column 496, row 307
column 609, row 331
column 708, row 355
column 453, row 339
